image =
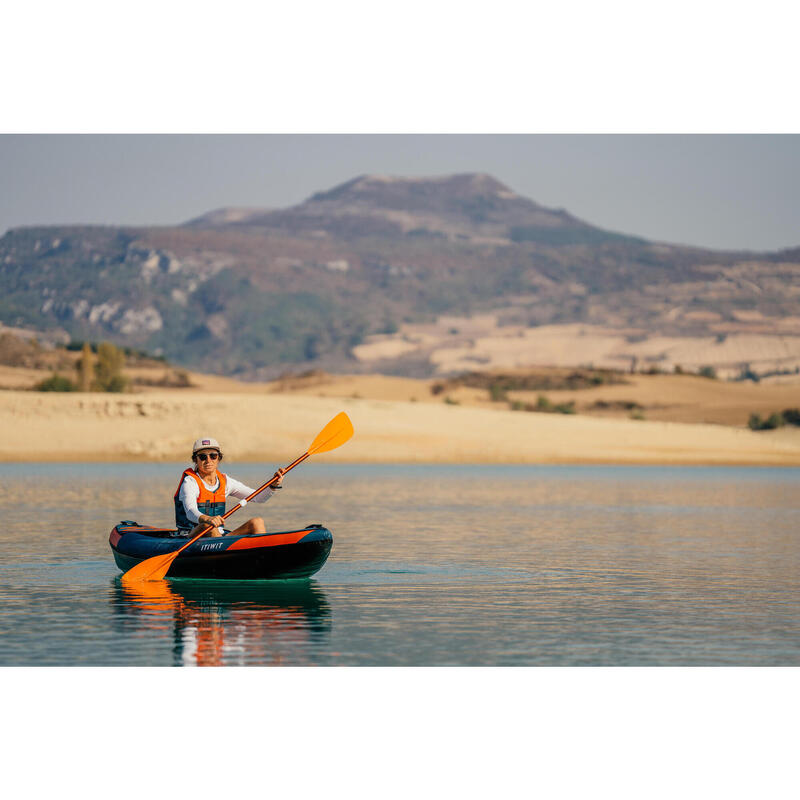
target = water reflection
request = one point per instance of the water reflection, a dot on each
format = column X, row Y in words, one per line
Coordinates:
column 224, row 623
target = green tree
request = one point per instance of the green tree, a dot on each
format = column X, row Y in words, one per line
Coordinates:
column 108, row 375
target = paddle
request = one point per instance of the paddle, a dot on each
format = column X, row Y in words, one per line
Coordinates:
column 333, row 435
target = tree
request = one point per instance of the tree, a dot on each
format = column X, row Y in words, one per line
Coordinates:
column 85, row 368
column 108, row 369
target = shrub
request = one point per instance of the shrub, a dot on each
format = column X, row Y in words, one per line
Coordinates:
column 450, row 402
column 538, row 380
column 707, row 372
column 544, row 406
column 497, row 393
column 791, row 416
column 747, row 374
column 56, row 383
column 617, row 405
column 773, row 421
column 116, row 383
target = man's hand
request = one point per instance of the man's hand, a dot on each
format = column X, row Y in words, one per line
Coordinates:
column 217, row 522
column 279, row 476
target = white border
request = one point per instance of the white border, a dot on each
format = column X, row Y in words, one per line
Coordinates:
column 423, row 732
column 356, row 66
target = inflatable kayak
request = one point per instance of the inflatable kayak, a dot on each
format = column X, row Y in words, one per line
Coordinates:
column 283, row 555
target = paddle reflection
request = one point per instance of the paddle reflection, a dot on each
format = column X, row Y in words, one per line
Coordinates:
column 222, row 623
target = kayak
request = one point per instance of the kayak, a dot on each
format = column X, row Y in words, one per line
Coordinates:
column 282, row 555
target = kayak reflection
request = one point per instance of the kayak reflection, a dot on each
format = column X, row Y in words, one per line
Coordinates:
column 225, row 623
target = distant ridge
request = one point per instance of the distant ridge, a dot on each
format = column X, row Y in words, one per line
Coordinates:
column 225, row 216
column 468, row 205
column 256, row 292
column 405, row 190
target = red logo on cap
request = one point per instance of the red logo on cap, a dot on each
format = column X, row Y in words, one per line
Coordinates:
column 206, row 441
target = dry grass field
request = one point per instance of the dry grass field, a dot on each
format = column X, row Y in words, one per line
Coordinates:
column 686, row 420
column 666, row 398
column 458, row 344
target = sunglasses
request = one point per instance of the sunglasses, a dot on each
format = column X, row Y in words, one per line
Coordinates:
column 207, row 456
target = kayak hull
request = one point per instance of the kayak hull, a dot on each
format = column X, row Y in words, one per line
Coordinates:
column 284, row 555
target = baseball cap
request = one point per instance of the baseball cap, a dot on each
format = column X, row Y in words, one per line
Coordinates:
column 206, row 443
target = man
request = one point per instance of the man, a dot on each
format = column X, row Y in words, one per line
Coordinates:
column 201, row 494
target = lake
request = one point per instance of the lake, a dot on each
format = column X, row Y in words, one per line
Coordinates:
column 431, row 565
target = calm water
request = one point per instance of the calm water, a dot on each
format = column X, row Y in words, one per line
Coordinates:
column 431, row 565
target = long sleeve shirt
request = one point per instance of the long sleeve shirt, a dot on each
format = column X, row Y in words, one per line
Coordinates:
column 190, row 492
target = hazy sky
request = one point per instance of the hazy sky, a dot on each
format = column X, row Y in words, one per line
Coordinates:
column 720, row 191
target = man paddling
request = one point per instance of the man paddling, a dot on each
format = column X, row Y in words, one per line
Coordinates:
column 202, row 491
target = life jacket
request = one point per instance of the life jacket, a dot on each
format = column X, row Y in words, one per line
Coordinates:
column 210, row 503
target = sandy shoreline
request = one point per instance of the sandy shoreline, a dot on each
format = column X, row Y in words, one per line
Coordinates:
column 160, row 426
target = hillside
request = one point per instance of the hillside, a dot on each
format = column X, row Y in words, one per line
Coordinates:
column 402, row 276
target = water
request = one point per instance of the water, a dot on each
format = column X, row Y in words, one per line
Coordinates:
column 431, row 565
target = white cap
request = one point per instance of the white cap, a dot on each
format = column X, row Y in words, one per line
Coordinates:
column 206, row 443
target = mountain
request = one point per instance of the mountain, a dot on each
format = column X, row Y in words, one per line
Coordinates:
column 254, row 292
column 471, row 207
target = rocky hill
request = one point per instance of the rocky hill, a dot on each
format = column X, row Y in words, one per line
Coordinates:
column 256, row 292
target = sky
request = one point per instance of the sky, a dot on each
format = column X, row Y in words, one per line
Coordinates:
column 719, row 191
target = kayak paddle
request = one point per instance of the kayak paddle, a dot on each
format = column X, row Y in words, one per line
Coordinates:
column 333, row 435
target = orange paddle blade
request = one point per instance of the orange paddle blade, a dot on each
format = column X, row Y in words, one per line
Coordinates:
column 333, row 435
column 151, row 569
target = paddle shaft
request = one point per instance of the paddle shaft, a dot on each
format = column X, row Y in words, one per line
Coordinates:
column 243, row 502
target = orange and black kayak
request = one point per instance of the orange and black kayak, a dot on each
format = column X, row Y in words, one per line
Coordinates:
column 283, row 555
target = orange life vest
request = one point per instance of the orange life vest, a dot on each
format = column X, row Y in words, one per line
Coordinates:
column 210, row 502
